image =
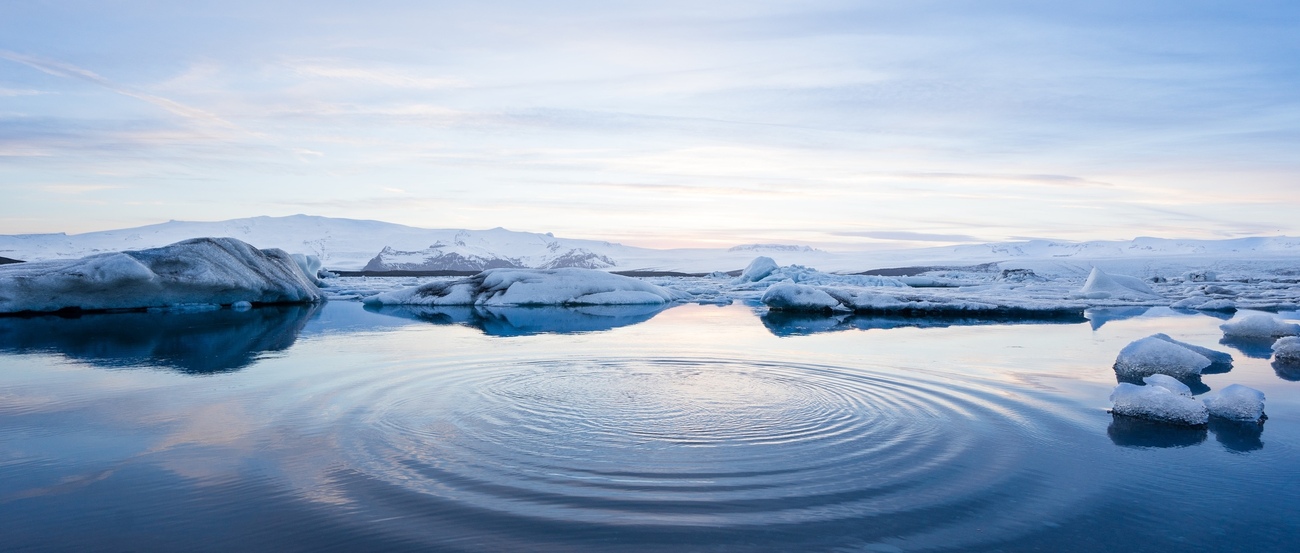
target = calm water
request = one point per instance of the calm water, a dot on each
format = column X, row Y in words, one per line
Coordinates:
column 611, row 429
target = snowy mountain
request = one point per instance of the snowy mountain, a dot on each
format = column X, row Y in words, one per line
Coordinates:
column 350, row 244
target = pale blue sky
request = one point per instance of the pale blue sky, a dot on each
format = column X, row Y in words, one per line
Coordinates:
column 660, row 123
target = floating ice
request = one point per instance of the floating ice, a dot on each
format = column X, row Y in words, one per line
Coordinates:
column 1216, row 357
column 1259, row 325
column 569, row 286
column 1157, row 403
column 1287, row 350
column 1203, row 303
column 798, row 297
column 758, row 269
column 1236, row 402
column 1169, row 383
column 310, row 266
column 1154, row 355
column 211, row 271
column 1103, row 286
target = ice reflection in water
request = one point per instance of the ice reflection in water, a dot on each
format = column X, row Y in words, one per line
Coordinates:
column 198, row 343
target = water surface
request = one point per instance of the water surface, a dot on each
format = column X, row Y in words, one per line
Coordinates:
column 691, row 428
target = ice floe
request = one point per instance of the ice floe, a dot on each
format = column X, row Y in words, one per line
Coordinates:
column 198, row 272
column 1259, row 325
column 1158, row 403
column 1236, row 402
column 532, row 287
column 1287, row 350
column 1155, row 355
column 1169, row 383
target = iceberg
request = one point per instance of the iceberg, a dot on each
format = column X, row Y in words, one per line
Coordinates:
column 1157, row 403
column 1236, row 402
column 798, row 297
column 1218, row 359
column 1286, row 350
column 1154, row 355
column 1104, row 286
column 757, row 270
column 201, row 271
column 570, row 286
column 1169, row 383
column 1259, row 325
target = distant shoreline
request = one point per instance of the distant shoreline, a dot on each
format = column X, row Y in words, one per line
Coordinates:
column 638, row 274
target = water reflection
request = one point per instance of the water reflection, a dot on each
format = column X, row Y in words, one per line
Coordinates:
column 1240, row 436
column 195, row 343
column 1099, row 316
column 1135, row 432
column 1287, row 371
column 786, row 323
column 1255, row 348
column 525, row 321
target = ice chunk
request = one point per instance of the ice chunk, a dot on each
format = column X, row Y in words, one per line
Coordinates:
column 212, row 271
column 1236, row 402
column 758, row 269
column 1101, row 286
column 1259, row 325
column 570, row 286
column 798, row 297
column 1169, row 383
column 310, row 266
column 1203, row 303
column 1152, row 355
column 1200, row 276
column 1215, row 357
column 1157, row 403
column 1287, row 350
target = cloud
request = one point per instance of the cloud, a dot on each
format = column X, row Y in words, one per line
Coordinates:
column 61, row 69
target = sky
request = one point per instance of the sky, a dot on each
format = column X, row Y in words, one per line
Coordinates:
column 840, row 124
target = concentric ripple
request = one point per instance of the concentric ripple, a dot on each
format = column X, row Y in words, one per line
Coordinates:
column 702, row 442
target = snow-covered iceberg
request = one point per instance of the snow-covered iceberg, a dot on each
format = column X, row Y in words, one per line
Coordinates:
column 1156, row 355
column 1287, row 350
column 1221, row 361
column 1101, row 285
column 207, row 271
column 1155, row 402
column 533, row 287
column 1259, row 325
column 1236, row 402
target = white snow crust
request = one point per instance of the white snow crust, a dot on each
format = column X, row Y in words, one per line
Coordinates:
column 199, row 272
column 1153, row 355
column 1259, row 325
column 1169, row 383
column 1157, row 403
column 1236, row 402
column 569, row 286
column 1287, row 350
column 1215, row 357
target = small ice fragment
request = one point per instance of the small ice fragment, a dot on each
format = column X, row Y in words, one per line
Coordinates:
column 1236, row 402
column 1169, row 383
column 1152, row 355
column 1287, row 350
column 1259, row 325
column 1101, row 286
column 241, row 306
column 1217, row 357
column 1157, row 403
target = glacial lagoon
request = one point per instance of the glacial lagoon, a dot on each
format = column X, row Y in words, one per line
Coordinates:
column 696, row 427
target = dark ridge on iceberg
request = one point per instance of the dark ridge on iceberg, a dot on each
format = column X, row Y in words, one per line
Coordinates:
column 6, row 261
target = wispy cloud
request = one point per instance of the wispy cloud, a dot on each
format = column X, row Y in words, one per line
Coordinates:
column 62, row 69
column 909, row 236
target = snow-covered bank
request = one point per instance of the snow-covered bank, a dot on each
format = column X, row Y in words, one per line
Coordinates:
column 533, row 287
column 203, row 271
